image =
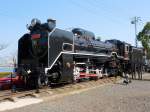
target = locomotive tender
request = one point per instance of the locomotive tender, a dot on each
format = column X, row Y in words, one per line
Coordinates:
column 49, row 55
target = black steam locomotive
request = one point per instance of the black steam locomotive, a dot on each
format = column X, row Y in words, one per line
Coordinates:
column 48, row 55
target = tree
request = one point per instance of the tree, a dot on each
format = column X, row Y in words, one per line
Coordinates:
column 3, row 46
column 144, row 37
column 13, row 58
column 2, row 59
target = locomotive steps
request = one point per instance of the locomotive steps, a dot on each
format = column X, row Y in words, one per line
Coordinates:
column 10, row 101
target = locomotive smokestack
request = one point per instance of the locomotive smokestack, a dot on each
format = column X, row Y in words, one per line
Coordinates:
column 35, row 21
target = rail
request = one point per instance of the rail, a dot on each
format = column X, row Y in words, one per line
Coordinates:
column 57, row 89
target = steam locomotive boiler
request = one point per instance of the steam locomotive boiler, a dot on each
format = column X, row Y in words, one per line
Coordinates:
column 48, row 55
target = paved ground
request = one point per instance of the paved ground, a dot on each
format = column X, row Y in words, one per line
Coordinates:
column 146, row 76
column 134, row 97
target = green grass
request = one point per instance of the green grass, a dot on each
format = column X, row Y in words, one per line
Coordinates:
column 3, row 74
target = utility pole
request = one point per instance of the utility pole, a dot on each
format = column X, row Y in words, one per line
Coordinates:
column 135, row 21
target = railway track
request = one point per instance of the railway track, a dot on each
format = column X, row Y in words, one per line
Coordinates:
column 8, row 95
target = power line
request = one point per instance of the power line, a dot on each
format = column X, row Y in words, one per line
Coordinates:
column 5, row 13
column 105, row 11
column 86, row 9
column 93, row 10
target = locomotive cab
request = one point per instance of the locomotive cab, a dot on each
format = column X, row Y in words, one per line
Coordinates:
column 126, row 51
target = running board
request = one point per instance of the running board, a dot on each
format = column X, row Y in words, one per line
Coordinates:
column 97, row 55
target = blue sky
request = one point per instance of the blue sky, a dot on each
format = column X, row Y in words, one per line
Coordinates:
column 106, row 18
